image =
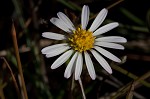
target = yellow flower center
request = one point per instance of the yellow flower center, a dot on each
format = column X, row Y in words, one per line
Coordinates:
column 81, row 40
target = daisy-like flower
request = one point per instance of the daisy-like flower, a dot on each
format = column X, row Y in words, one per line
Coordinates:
column 82, row 42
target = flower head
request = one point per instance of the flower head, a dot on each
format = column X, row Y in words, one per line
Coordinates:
column 81, row 41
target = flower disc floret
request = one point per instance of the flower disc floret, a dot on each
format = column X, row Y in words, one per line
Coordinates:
column 82, row 40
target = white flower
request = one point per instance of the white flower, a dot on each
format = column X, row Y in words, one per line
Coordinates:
column 81, row 41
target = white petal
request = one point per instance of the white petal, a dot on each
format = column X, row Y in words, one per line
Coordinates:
column 110, row 45
column 54, row 36
column 66, row 20
column 78, row 68
column 105, row 28
column 57, row 51
column 52, row 47
column 62, row 59
column 69, row 68
column 107, row 54
column 85, row 16
column 89, row 65
column 60, row 24
column 102, row 61
column 115, row 39
column 99, row 19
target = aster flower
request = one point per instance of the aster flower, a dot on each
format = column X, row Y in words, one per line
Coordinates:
column 82, row 42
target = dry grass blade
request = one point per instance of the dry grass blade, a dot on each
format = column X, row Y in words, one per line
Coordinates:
column 124, row 89
column 18, row 61
column 129, row 74
column 12, row 75
column 114, row 4
column 131, row 91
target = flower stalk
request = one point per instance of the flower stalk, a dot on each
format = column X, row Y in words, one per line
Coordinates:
column 81, row 85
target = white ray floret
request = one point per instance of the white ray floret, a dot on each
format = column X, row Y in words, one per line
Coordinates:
column 52, row 47
column 105, row 28
column 62, row 59
column 79, row 65
column 114, row 39
column 54, row 36
column 59, row 23
column 101, row 61
column 69, row 68
column 66, row 20
column 110, row 45
column 57, row 51
column 107, row 54
column 85, row 16
column 99, row 19
column 89, row 65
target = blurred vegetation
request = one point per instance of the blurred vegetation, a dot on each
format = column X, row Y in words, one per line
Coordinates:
column 130, row 79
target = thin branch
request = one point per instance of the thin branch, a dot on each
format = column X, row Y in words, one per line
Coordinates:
column 114, row 4
column 124, row 89
column 18, row 61
column 117, row 85
column 13, row 77
column 131, row 92
column 109, row 7
column 83, row 93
